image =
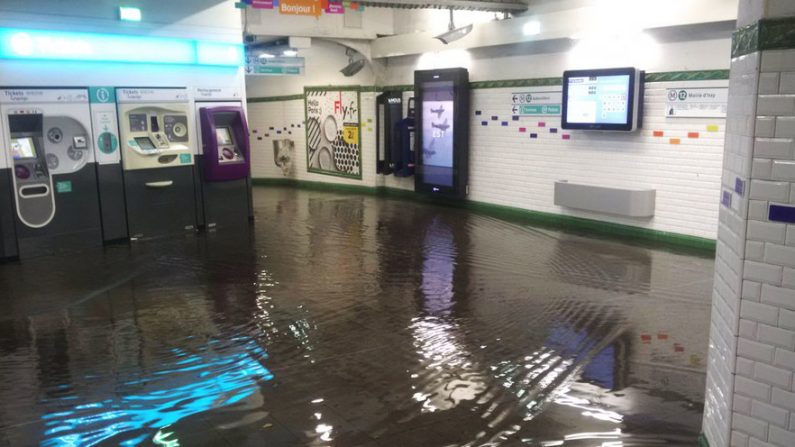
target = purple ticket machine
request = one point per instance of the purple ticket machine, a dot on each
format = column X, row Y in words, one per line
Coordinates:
column 225, row 166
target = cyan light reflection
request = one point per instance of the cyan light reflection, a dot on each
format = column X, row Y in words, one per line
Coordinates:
column 218, row 376
column 92, row 47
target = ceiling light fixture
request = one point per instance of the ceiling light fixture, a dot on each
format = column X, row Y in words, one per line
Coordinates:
column 453, row 33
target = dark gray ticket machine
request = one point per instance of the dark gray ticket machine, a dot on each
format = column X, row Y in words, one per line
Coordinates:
column 48, row 142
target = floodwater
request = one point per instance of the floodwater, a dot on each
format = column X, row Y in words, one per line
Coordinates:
column 349, row 320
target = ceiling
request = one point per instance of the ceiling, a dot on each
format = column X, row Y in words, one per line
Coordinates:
column 458, row 5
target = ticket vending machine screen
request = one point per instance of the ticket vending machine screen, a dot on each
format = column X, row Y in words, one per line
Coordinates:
column 138, row 122
column 22, row 148
column 223, row 136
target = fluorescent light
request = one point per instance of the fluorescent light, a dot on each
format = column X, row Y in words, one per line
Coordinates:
column 289, row 53
column 531, row 28
column 129, row 14
column 91, row 47
column 219, row 53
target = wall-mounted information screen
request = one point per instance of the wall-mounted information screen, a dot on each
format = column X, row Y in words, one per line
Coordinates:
column 442, row 140
column 607, row 99
column 23, row 148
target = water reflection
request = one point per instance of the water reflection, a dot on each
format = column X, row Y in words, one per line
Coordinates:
column 219, row 374
column 384, row 322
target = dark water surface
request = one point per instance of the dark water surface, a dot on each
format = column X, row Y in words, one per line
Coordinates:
column 352, row 320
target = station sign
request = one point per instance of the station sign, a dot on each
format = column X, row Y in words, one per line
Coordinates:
column 696, row 102
column 536, row 103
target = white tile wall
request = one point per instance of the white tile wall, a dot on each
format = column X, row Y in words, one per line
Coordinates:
column 719, row 426
column 509, row 168
column 763, row 370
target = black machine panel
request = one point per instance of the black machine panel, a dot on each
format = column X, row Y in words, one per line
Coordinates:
column 389, row 113
column 442, row 137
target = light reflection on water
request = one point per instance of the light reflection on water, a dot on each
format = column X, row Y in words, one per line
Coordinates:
column 221, row 374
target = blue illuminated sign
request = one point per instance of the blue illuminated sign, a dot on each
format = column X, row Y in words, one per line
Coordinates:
column 63, row 45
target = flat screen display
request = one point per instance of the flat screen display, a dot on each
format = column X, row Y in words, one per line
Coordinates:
column 223, row 136
column 138, row 122
column 599, row 99
column 23, row 148
column 437, row 132
column 145, row 143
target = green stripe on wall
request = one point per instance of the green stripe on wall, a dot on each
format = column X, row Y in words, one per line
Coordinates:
column 276, row 98
column 766, row 34
column 696, row 245
column 669, row 76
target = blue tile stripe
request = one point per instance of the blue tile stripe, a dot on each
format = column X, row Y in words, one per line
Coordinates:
column 781, row 213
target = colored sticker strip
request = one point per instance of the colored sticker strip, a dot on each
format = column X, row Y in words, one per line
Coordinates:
column 515, row 117
column 553, row 130
column 533, row 135
column 658, row 133
column 522, row 129
column 478, row 112
column 692, row 135
column 484, row 123
column 495, row 118
column 712, row 127
column 566, row 136
column 505, row 123
column 542, row 124
column 674, row 141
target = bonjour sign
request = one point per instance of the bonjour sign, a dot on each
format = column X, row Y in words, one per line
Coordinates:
column 300, row 7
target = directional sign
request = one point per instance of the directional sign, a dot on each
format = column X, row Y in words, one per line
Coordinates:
column 696, row 102
column 536, row 103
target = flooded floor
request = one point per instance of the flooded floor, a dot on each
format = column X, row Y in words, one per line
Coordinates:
column 352, row 320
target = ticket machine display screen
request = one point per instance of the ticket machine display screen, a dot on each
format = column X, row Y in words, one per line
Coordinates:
column 138, row 122
column 223, row 136
column 145, row 143
column 23, row 148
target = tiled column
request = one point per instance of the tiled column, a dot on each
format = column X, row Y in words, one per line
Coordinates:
column 750, row 396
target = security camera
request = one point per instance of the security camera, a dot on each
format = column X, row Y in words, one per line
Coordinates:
column 454, row 34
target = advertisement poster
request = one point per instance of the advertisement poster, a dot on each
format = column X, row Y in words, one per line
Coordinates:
column 437, row 127
column 333, row 132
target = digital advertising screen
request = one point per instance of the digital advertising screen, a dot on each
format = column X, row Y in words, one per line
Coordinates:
column 437, row 132
column 23, row 148
column 223, row 136
column 598, row 99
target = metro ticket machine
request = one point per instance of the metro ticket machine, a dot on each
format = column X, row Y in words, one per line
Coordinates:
column 8, row 235
column 49, row 142
column 225, row 165
column 157, row 158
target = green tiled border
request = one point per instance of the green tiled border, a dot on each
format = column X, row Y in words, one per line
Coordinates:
column 767, row 34
column 276, row 98
column 669, row 76
column 696, row 245
column 702, row 441
column 537, row 82
column 700, row 75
